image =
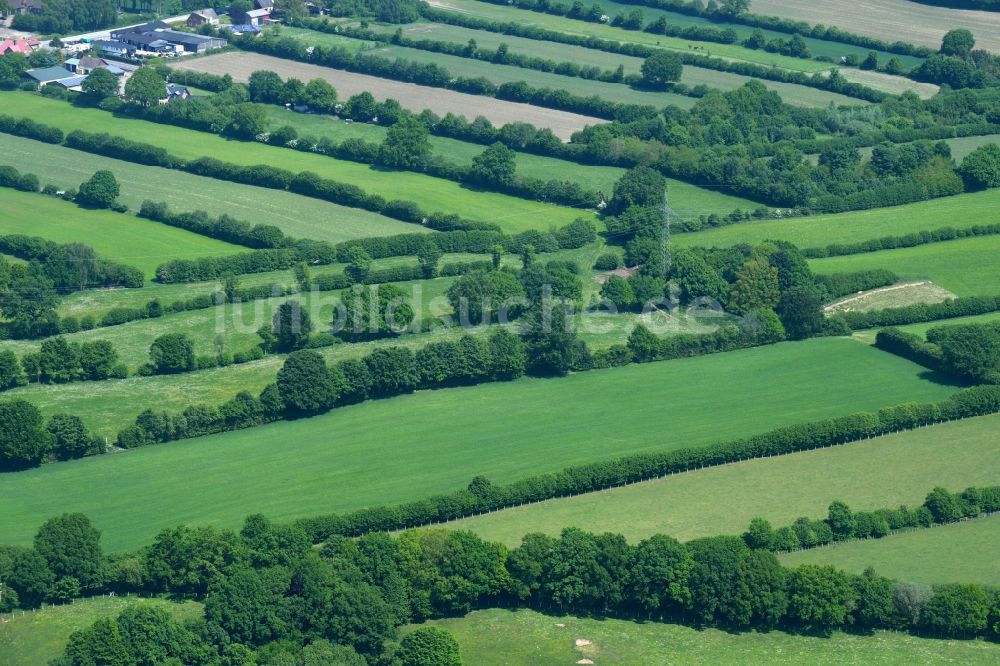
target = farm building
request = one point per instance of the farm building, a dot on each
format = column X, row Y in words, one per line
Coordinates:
column 111, row 47
column 254, row 17
column 159, row 37
column 43, row 76
column 202, row 17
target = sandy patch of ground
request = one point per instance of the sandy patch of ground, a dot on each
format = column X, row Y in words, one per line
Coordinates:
column 893, row 296
column 240, row 65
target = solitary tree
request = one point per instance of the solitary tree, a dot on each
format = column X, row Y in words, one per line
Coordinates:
column 958, row 42
column 70, row 436
column 734, row 7
column 248, row 120
column 100, row 83
column 981, row 168
column 661, row 69
column 305, row 383
column 100, row 191
column 23, row 440
column 146, row 87
column 494, row 166
column 429, row 646
column 171, row 353
column 641, row 186
column 71, row 546
column 320, row 96
column 406, row 145
column 291, row 326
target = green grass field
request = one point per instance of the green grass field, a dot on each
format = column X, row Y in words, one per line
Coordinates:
column 958, row 553
column 296, row 215
column 505, row 431
column 38, row 637
column 723, row 500
column 967, row 267
column 964, row 210
column 498, row 637
column 922, row 328
column 433, row 194
column 797, row 95
column 233, row 325
column 575, row 27
column 115, row 236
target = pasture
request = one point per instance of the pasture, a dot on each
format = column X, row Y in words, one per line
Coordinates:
column 499, row 637
column 795, row 94
column 890, row 20
column 686, row 200
column 604, row 31
column 115, row 236
column 723, row 500
column 471, row 68
column 296, row 215
column 411, row 96
column 504, row 431
column 962, row 552
column 967, row 267
column 38, row 637
column 231, row 327
column 961, row 211
column 433, row 194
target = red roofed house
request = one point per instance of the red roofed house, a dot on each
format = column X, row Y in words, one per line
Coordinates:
column 22, row 46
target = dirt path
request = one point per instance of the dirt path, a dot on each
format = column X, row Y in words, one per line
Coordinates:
column 938, row 293
column 240, row 65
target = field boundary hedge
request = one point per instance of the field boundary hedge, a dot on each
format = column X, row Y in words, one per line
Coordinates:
column 839, row 85
column 939, row 235
column 483, row 497
column 963, row 306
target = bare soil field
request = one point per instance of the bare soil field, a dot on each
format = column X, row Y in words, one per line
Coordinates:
column 240, row 65
column 894, row 85
column 890, row 20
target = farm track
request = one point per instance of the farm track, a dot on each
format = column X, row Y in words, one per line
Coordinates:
column 240, row 65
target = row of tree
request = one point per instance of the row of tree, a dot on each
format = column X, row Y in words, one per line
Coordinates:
column 970, row 352
column 841, row 523
column 269, row 591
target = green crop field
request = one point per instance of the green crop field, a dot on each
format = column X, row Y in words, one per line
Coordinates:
column 433, row 194
column 575, row 27
column 958, row 553
column 468, row 67
column 115, row 236
column 723, row 500
column 501, row 430
column 964, row 210
column 967, row 267
column 296, row 215
column 500, row 637
column 38, row 637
